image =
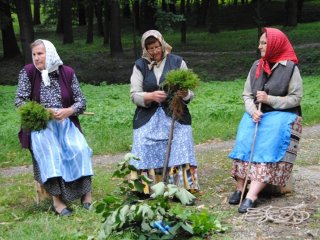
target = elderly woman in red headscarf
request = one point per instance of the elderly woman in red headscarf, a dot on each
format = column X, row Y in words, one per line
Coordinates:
column 269, row 132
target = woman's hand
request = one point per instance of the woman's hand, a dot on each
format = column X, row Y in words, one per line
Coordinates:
column 62, row 113
column 262, row 96
column 156, row 96
column 256, row 116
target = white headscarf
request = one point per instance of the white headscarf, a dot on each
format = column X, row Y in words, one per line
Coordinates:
column 166, row 48
column 53, row 61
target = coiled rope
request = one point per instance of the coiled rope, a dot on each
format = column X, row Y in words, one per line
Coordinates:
column 283, row 215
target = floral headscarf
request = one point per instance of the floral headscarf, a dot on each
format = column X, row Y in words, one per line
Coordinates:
column 53, row 61
column 278, row 49
column 166, row 48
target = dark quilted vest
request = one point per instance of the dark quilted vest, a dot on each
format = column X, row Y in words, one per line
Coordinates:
column 276, row 84
column 142, row 115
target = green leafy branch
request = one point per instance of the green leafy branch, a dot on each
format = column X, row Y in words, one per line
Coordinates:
column 179, row 81
column 139, row 216
column 34, row 116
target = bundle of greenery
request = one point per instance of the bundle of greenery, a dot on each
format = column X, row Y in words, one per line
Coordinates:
column 177, row 82
column 34, row 116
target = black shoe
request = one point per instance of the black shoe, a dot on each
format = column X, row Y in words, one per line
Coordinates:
column 246, row 203
column 64, row 212
column 235, row 197
column 86, row 205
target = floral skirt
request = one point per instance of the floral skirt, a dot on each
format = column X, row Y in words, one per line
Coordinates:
column 271, row 173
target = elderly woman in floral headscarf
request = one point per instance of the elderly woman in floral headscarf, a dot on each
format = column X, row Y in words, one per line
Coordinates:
column 152, row 120
column 274, row 83
column 61, row 155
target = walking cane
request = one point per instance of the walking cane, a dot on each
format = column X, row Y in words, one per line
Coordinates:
column 251, row 156
column 166, row 161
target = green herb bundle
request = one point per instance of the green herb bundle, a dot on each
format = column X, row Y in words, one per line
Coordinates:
column 34, row 116
column 179, row 81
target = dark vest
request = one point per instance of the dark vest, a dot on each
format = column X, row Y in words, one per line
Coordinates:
column 65, row 80
column 276, row 84
column 142, row 115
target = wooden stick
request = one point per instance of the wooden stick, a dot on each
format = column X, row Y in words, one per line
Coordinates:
column 88, row 113
column 166, row 161
column 251, row 156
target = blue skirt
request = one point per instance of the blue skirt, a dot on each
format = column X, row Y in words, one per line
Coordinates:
column 151, row 140
column 272, row 139
column 61, row 151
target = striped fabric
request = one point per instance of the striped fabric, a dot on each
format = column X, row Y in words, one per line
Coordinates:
column 61, row 151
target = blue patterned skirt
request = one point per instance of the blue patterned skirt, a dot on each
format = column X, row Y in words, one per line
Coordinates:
column 150, row 144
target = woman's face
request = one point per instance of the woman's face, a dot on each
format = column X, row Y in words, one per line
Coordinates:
column 263, row 44
column 155, row 50
column 39, row 56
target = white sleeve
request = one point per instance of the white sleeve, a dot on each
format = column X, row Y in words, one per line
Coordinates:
column 136, row 87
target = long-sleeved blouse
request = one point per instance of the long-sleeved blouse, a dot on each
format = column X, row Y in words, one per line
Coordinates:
column 50, row 96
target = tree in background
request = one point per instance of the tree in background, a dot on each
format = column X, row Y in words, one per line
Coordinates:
column 9, row 41
column 292, row 12
column 115, row 30
column 81, row 13
column 36, row 12
column 89, row 14
column 67, row 21
column 26, row 27
column 213, row 16
column 106, row 25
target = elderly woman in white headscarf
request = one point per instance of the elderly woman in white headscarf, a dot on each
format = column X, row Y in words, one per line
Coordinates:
column 61, row 155
column 152, row 118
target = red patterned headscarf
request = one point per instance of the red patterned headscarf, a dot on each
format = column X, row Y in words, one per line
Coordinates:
column 278, row 49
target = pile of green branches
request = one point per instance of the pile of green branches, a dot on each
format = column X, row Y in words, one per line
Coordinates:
column 157, row 217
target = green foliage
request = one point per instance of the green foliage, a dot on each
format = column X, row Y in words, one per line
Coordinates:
column 165, row 20
column 145, row 217
column 181, row 79
column 34, row 116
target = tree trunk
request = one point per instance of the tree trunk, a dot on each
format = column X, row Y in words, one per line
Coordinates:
column 126, row 11
column 9, row 41
column 36, row 12
column 89, row 14
column 202, row 9
column 115, row 33
column 300, row 6
column 98, row 10
column 136, row 52
column 183, row 23
column 213, row 16
column 136, row 13
column 172, row 6
column 164, row 5
column 81, row 13
column 67, row 21
column 59, row 29
column 106, row 25
column 292, row 12
column 188, row 7
column 148, row 11
column 26, row 27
